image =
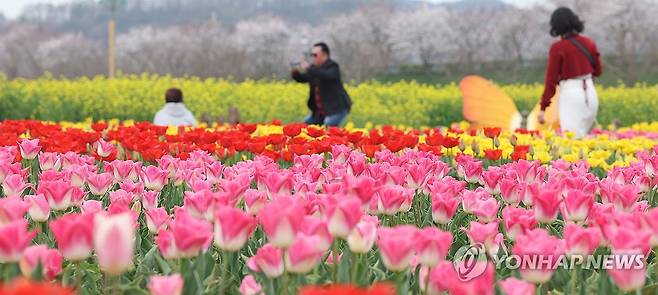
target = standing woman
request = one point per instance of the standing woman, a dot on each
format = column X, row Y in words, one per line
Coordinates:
column 572, row 61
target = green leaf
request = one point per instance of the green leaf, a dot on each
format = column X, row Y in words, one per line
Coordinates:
column 37, row 273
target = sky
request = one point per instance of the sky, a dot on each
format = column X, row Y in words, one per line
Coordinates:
column 13, row 8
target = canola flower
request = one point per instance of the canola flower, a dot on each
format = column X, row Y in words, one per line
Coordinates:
column 412, row 104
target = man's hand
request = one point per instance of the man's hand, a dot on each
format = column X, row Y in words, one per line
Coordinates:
column 541, row 117
column 304, row 64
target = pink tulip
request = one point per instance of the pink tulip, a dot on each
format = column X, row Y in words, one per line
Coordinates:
column 49, row 259
column 254, row 200
column 581, row 241
column 342, row 215
column 60, row 194
column 49, row 161
column 469, row 169
column 510, row 191
column 651, row 165
column 444, row 207
column 356, row 163
column 529, row 192
column 7, row 169
column 419, row 174
column 432, row 245
column 362, row 187
column 576, row 205
column 79, row 174
column 154, row 178
column 278, row 183
column 313, row 226
column 214, row 172
column 542, row 250
column 166, row 285
column 396, row 175
column 445, row 279
column 14, row 238
column 650, row 222
column 629, row 244
column 333, row 259
column 12, row 208
column 249, row 286
column 114, row 242
column 39, row 210
column 191, row 235
column 486, row 210
column 627, row 196
column 200, row 204
column 30, row 148
column 518, row 221
column 135, row 188
column 340, row 153
column 74, row 235
column 166, row 244
column 396, row 246
column 235, row 188
column 304, row 254
column 157, row 219
column 486, row 235
column 14, row 185
column 91, row 207
column 233, row 227
column 363, row 236
column 150, row 199
column 121, row 197
column 470, row 199
column 104, row 148
column 125, row 170
column 491, row 180
column 281, row 220
column 546, row 206
column 393, row 199
column 99, row 184
column 440, row 279
column 268, row 260
column 514, row 286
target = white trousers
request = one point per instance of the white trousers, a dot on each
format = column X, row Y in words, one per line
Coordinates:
column 578, row 105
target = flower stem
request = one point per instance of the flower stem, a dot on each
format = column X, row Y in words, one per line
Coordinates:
column 225, row 266
column 334, row 253
column 355, row 266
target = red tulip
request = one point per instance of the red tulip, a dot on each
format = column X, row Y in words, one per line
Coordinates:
column 492, row 132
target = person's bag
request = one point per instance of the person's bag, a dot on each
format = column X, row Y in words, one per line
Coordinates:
column 584, row 50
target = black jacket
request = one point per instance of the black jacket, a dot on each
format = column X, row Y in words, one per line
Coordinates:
column 333, row 96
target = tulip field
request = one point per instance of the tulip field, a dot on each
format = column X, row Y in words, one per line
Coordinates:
column 123, row 207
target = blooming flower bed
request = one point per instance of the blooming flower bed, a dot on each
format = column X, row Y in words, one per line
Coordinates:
column 130, row 208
